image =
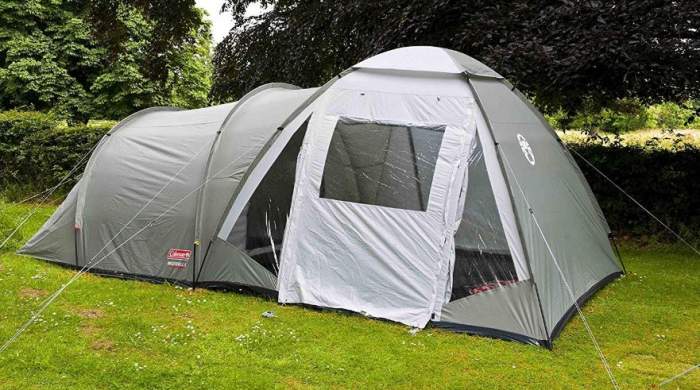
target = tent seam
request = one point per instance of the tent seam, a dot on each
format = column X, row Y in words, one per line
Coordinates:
column 87, row 173
column 512, row 201
column 214, row 147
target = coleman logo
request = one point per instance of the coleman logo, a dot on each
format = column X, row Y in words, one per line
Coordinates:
column 527, row 150
column 178, row 258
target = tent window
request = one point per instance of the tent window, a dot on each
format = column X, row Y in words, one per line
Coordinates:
column 482, row 257
column 381, row 164
column 260, row 228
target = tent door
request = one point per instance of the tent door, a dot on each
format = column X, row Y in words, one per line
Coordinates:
column 372, row 218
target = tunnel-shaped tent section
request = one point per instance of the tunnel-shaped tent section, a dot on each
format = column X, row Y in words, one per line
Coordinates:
column 417, row 186
column 136, row 209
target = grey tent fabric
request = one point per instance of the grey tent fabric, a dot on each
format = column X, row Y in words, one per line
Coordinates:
column 512, row 309
column 159, row 152
column 412, row 187
column 551, row 185
column 244, row 134
column 55, row 241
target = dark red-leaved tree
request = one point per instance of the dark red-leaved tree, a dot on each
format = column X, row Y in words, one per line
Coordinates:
column 562, row 52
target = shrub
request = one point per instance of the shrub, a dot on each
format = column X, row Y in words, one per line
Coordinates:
column 36, row 151
column 51, row 155
column 670, row 116
column 666, row 181
column 621, row 116
column 625, row 115
column 15, row 127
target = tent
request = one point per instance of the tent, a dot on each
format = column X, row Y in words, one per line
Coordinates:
column 418, row 186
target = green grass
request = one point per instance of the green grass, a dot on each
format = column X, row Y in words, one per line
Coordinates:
column 110, row 333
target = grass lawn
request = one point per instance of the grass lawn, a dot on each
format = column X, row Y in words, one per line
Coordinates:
column 110, row 333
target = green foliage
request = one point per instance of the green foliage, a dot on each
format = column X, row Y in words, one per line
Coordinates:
column 191, row 77
column 664, row 180
column 620, row 116
column 626, row 115
column 36, row 152
column 49, row 156
column 122, row 88
column 671, row 116
column 54, row 57
column 15, row 128
column 47, row 57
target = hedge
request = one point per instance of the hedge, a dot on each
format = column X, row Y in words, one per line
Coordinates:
column 36, row 152
column 666, row 182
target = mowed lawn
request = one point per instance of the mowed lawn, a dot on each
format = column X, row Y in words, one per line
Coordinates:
column 110, row 333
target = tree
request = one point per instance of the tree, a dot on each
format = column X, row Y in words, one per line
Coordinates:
column 171, row 24
column 129, row 84
column 190, row 76
column 561, row 52
column 47, row 58
column 102, row 58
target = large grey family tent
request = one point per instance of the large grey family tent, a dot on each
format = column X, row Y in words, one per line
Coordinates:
column 417, row 186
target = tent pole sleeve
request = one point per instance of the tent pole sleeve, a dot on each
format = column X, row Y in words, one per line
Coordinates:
column 199, row 208
column 199, row 273
column 80, row 199
column 269, row 143
column 512, row 201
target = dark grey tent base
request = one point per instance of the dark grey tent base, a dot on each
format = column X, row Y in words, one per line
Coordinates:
column 118, row 275
column 216, row 285
column 239, row 288
column 489, row 332
column 549, row 344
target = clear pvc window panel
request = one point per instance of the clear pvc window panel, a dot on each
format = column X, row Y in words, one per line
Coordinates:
column 482, row 258
column 381, row 164
column 260, row 228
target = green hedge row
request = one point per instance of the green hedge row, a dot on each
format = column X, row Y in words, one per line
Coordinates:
column 665, row 181
column 36, row 152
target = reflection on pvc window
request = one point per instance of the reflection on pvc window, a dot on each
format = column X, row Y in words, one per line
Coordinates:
column 388, row 165
column 482, row 257
column 260, row 228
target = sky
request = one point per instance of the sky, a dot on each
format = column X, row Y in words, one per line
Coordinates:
column 222, row 23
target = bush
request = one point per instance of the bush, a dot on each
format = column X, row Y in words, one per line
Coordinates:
column 49, row 156
column 670, row 116
column 37, row 151
column 621, row 116
column 625, row 115
column 665, row 181
column 15, row 127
